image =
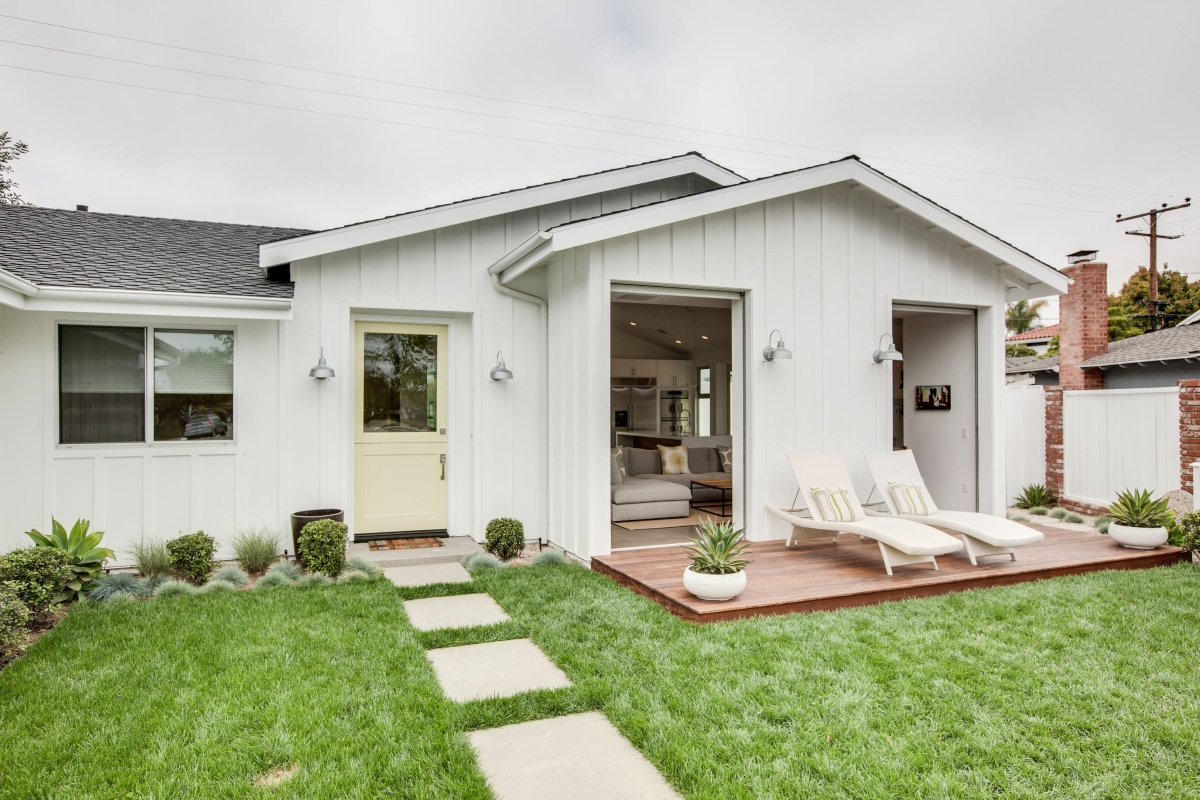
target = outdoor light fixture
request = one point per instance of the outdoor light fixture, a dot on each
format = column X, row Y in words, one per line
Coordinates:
column 321, row 371
column 891, row 354
column 500, row 372
column 779, row 351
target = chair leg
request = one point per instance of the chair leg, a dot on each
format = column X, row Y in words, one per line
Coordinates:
column 894, row 558
column 797, row 533
column 977, row 549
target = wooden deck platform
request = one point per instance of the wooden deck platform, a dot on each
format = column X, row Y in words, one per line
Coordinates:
column 822, row 576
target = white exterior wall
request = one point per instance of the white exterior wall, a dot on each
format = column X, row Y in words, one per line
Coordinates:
column 160, row 489
column 1024, row 438
column 823, row 266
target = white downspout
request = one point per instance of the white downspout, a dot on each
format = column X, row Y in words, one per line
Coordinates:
column 545, row 320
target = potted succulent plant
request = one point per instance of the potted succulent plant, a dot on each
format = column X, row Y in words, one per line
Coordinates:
column 717, row 571
column 1138, row 521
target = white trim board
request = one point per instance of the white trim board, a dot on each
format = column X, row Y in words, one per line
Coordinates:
column 322, row 242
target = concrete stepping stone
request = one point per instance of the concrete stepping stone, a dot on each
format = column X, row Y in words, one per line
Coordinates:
column 457, row 611
column 427, row 574
column 494, row 669
column 581, row 756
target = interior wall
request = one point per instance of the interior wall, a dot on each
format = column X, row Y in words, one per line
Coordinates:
column 939, row 349
column 626, row 346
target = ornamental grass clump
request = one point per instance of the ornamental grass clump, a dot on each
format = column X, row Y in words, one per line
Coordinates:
column 477, row 561
column 84, row 554
column 272, row 579
column 1102, row 523
column 214, row 586
column 354, row 576
column 1136, row 509
column 1039, row 511
column 151, row 556
column 231, row 573
column 504, row 538
column 256, row 548
column 549, row 558
column 285, row 569
column 322, row 546
column 38, row 576
column 146, row 586
column 114, row 584
column 1033, row 496
column 1058, row 513
column 360, row 564
column 192, row 556
column 718, row 549
column 1074, row 518
column 174, row 587
column 314, row 579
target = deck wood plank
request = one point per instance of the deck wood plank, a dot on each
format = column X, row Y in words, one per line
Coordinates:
column 823, row 576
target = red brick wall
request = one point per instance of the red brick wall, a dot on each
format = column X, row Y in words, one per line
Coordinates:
column 1189, row 431
column 1054, row 439
column 1083, row 325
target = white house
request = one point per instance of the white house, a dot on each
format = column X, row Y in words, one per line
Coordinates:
column 156, row 373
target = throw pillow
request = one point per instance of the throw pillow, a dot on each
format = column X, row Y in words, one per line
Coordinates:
column 911, row 499
column 619, row 452
column 674, row 460
column 833, row 504
column 614, row 471
column 726, row 454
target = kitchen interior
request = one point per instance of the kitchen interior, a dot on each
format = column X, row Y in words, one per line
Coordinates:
column 672, row 368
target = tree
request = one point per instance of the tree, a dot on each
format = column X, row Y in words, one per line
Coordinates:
column 1182, row 298
column 10, row 151
column 1019, row 350
column 1023, row 315
column 1052, row 348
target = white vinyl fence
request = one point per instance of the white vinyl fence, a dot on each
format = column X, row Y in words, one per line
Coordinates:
column 1119, row 439
column 1024, row 438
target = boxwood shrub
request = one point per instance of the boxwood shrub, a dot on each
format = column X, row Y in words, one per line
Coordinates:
column 192, row 556
column 38, row 577
column 505, row 538
column 13, row 618
column 322, row 546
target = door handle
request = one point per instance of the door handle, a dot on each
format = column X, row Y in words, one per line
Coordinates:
column 442, row 458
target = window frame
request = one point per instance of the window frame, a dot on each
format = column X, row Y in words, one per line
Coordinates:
column 148, row 330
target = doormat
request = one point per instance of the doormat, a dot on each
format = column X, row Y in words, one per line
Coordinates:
column 680, row 522
column 404, row 544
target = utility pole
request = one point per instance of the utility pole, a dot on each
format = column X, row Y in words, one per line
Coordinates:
column 1152, row 301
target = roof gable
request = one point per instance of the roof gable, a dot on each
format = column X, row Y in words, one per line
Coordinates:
column 459, row 212
column 1025, row 275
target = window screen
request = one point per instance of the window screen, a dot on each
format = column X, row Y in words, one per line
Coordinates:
column 102, row 384
column 193, row 385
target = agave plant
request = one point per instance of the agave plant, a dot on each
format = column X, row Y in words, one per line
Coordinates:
column 1135, row 509
column 718, row 549
column 84, row 554
column 1033, row 496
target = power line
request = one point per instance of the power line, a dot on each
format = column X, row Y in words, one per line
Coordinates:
column 686, row 142
column 560, row 108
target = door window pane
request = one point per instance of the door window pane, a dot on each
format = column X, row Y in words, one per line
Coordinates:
column 399, row 382
column 102, row 384
column 193, row 385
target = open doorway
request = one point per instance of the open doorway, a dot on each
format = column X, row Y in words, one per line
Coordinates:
column 670, row 416
column 934, row 400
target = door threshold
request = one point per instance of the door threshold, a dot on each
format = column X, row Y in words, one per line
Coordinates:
column 650, row 546
column 440, row 533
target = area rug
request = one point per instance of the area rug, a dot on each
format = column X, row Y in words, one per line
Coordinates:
column 677, row 522
column 405, row 544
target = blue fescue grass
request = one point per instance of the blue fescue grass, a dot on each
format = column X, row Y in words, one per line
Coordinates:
column 232, row 574
column 114, row 584
column 360, row 564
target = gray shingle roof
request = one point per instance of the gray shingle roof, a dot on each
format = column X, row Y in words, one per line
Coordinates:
column 1016, row 366
column 1182, row 341
column 78, row 249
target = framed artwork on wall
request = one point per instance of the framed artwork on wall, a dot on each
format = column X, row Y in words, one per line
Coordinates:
column 933, row 398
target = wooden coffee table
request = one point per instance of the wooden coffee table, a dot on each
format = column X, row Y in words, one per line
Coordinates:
column 724, row 484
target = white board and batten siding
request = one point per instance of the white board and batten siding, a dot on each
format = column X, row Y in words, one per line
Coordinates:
column 823, row 266
column 1024, row 438
column 1119, row 439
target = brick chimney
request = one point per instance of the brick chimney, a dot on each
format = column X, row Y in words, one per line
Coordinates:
column 1083, row 325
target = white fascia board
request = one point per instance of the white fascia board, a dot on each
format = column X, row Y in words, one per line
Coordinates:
column 380, row 230
column 1039, row 279
column 527, row 254
column 170, row 304
column 14, row 290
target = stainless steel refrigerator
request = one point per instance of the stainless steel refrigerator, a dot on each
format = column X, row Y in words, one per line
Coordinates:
column 634, row 410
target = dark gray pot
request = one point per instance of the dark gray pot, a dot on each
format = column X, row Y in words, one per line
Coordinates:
column 302, row 518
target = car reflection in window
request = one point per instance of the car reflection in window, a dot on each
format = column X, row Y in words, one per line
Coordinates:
column 200, row 426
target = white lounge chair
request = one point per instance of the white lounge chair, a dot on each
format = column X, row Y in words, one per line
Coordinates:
column 899, row 480
column 900, row 541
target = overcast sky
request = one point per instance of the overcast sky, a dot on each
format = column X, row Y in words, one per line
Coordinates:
column 1097, row 101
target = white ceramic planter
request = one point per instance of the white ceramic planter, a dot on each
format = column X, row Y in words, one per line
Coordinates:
column 714, row 587
column 1138, row 538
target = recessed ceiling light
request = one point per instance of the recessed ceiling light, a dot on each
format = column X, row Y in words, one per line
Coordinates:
column 634, row 324
column 704, row 337
column 678, row 342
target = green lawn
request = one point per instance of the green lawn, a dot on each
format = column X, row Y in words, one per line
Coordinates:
column 1074, row 688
